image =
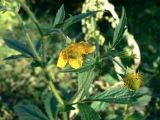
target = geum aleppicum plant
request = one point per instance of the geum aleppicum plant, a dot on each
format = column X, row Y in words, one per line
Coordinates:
column 74, row 54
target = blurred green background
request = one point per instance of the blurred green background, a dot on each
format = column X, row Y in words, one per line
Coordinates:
column 20, row 83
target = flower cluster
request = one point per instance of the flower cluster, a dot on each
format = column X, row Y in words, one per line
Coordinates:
column 73, row 54
column 89, row 25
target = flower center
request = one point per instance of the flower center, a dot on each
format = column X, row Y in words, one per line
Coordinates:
column 73, row 55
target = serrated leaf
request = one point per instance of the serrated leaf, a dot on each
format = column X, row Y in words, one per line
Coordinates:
column 137, row 116
column 59, row 25
column 29, row 112
column 77, row 18
column 81, row 69
column 87, row 113
column 118, row 33
column 50, row 106
column 59, row 16
column 121, row 95
column 85, row 80
column 12, row 57
column 99, row 106
column 18, row 46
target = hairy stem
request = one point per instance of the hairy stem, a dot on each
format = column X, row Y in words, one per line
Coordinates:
column 118, row 64
column 55, row 91
column 43, row 49
column 126, row 107
column 32, row 16
column 28, row 37
column 50, row 83
column 114, row 60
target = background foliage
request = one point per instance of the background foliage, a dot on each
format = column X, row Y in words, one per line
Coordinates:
column 18, row 84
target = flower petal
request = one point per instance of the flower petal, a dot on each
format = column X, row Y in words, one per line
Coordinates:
column 85, row 48
column 76, row 63
column 62, row 60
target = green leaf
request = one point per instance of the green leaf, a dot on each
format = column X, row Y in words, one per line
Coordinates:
column 12, row 57
column 118, row 33
column 36, row 64
column 38, row 45
column 54, row 31
column 84, row 77
column 58, row 34
column 50, row 106
column 77, row 18
column 85, row 80
column 81, row 69
column 87, row 113
column 120, row 94
column 97, row 51
column 29, row 112
column 136, row 116
column 146, row 98
column 18, row 46
column 84, row 83
column 59, row 16
column 109, row 78
column 99, row 106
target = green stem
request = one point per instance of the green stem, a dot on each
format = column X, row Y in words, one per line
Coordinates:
column 28, row 38
column 51, row 85
column 43, row 49
column 118, row 64
column 26, row 8
column 30, row 13
column 126, row 112
column 55, row 91
column 111, row 58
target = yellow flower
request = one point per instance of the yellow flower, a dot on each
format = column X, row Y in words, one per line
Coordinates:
column 133, row 80
column 73, row 54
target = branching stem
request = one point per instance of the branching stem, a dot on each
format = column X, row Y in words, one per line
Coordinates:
column 32, row 16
